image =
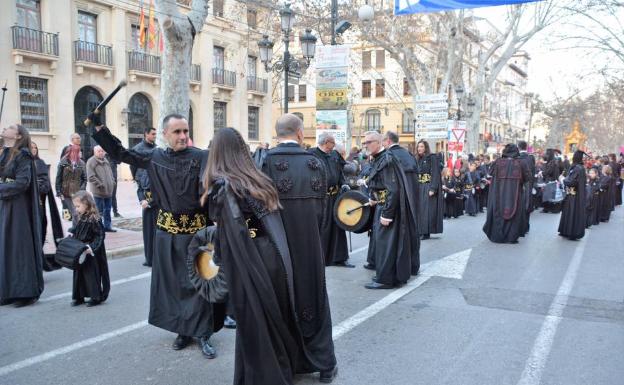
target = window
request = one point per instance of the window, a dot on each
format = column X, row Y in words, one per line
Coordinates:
column 252, row 66
column 366, row 88
column 302, row 92
column 373, row 120
column 220, row 115
column 291, row 93
column 380, row 58
column 136, row 35
column 252, row 18
column 218, row 57
column 406, row 89
column 87, row 27
column 33, row 94
column 408, row 121
column 380, row 88
column 139, row 117
column 29, row 14
column 217, row 7
column 366, row 60
column 253, row 123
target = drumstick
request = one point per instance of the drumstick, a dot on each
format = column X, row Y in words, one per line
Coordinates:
column 357, row 208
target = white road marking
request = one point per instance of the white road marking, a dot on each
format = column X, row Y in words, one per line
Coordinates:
column 70, row 348
column 358, row 250
column 114, row 283
column 534, row 367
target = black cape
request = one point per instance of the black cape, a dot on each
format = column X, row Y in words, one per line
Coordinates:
column 527, row 191
column 592, row 198
column 574, row 209
column 21, row 254
column 300, row 180
column 175, row 181
column 505, row 216
column 470, row 187
column 604, row 199
column 144, row 192
column 394, row 248
column 47, row 195
column 335, row 248
column 430, row 208
column 91, row 279
column 454, row 197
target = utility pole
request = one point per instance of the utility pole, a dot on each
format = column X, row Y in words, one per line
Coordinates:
column 334, row 20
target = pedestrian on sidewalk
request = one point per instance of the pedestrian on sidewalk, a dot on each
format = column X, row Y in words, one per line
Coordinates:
column 74, row 140
column 71, row 177
column 91, row 278
column 101, row 185
column 114, row 165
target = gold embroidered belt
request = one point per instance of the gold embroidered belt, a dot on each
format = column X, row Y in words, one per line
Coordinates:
column 333, row 190
column 381, row 195
column 571, row 190
column 180, row 223
column 424, row 178
column 6, row 180
column 148, row 195
column 468, row 187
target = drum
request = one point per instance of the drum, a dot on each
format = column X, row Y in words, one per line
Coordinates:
column 352, row 213
column 205, row 275
column 68, row 252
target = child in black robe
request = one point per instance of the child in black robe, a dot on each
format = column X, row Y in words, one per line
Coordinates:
column 604, row 199
column 91, row 278
column 470, row 183
column 593, row 192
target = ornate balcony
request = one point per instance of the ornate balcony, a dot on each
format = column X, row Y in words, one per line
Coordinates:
column 144, row 65
column 35, row 44
column 94, row 56
column 257, row 85
column 223, row 78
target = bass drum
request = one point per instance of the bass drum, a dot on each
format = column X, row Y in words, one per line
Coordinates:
column 350, row 213
column 205, row 275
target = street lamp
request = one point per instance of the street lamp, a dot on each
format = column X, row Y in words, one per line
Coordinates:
column 287, row 65
column 459, row 91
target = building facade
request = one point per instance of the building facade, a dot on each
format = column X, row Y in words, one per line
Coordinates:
column 62, row 57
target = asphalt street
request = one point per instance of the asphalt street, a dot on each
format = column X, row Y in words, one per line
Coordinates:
column 544, row 311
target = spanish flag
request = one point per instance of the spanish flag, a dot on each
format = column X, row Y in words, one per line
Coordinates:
column 142, row 27
column 151, row 27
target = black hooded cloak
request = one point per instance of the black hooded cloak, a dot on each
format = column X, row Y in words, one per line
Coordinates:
column 430, row 208
column 574, row 209
column 47, row 195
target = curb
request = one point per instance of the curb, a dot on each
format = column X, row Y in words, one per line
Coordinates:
column 123, row 252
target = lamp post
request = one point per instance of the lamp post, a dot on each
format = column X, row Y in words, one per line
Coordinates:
column 459, row 91
column 287, row 64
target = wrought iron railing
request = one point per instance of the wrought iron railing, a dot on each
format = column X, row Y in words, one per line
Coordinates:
column 93, row 53
column 139, row 61
column 33, row 40
column 195, row 72
column 257, row 84
column 224, row 77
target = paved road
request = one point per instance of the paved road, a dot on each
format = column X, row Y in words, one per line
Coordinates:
column 546, row 311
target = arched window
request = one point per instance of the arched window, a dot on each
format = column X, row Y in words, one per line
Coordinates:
column 87, row 98
column 373, row 120
column 408, row 121
column 139, row 118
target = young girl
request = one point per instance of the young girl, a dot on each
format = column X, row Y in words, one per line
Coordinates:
column 592, row 196
column 91, row 277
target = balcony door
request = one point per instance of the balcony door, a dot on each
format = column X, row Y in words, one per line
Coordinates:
column 87, row 37
column 29, row 16
column 139, row 118
column 87, row 98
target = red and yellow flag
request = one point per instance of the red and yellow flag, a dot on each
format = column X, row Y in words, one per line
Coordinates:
column 151, row 28
column 142, row 27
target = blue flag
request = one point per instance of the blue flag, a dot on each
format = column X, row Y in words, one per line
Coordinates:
column 406, row 7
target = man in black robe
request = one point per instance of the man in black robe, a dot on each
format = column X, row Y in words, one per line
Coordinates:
column 144, row 193
column 300, row 180
column 527, row 193
column 392, row 241
column 574, row 209
column 505, row 216
column 334, row 238
column 430, row 197
column 410, row 169
column 174, row 175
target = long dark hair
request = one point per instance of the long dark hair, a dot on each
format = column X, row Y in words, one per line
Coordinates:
column 427, row 148
column 86, row 199
column 23, row 142
column 229, row 159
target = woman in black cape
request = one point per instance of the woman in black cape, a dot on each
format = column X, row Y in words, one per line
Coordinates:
column 604, row 198
column 593, row 191
column 21, row 270
column 253, row 250
column 574, row 207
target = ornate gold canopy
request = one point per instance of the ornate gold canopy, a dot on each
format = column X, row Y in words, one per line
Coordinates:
column 575, row 140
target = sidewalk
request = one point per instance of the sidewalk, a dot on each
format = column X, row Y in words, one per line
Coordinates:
column 128, row 239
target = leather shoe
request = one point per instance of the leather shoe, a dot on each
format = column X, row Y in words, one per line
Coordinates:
column 376, row 285
column 111, row 230
column 5, row 302
column 25, row 301
column 77, row 302
column 344, row 264
column 146, row 264
column 327, row 376
column 181, row 342
column 368, row 266
column 207, row 350
column 92, row 302
column 229, row 322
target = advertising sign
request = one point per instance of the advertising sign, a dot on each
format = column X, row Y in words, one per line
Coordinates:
column 336, row 122
column 328, row 56
column 328, row 78
column 331, row 99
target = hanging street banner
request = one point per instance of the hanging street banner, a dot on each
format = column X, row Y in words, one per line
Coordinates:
column 332, row 78
column 431, row 114
column 331, row 99
column 407, row 7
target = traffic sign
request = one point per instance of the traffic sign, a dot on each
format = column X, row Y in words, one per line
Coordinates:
column 458, row 134
column 431, row 125
column 431, row 106
column 430, row 98
column 435, row 115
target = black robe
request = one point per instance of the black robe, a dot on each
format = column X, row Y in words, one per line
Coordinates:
column 551, row 173
column 21, row 254
column 430, row 208
column 574, row 208
column 470, row 186
column 300, row 181
column 394, row 248
column 454, row 199
column 144, row 192
column 253, row 250
column 504, row 222
column 91, row 278
column 482, row 194
column 592, row 198
column 175, row 181
column 527, row 192
column 47, row 195
column 335, row 248
column 604, row 199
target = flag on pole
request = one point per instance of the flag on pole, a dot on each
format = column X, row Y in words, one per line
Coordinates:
column 142, row 27
column 406, row 7
column 151, row 28
column 161, row 43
